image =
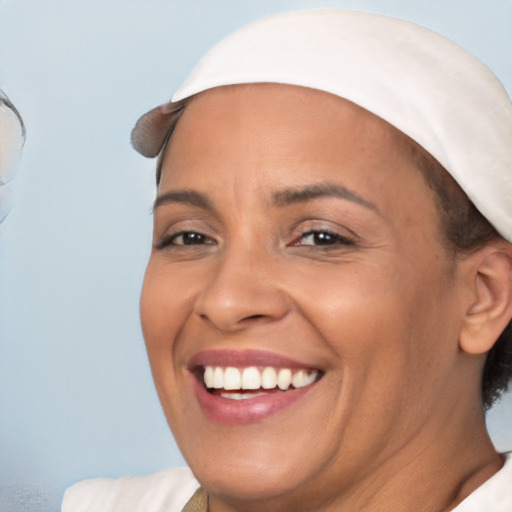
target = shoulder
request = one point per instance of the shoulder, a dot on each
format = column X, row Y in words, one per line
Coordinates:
column 165, row 491
column 495, row 495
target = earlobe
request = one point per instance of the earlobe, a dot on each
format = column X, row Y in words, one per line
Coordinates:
column 490, row 309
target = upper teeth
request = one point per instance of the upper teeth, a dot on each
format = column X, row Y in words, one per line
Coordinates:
column 231, row 378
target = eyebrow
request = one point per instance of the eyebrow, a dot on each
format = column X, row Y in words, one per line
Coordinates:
column 188, row 197
column 302, row 194
column 281, row 198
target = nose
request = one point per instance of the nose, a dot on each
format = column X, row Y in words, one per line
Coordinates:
column 243, row 290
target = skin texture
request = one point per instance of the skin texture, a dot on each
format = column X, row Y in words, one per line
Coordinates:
column 382, row 309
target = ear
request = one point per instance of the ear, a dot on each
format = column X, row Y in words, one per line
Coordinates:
column 490, row 308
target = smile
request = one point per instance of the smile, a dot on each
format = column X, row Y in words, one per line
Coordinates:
column 243, row 387
column 257, row 380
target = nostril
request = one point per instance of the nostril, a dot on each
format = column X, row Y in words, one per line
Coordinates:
column 255, row 317
column 242, row 320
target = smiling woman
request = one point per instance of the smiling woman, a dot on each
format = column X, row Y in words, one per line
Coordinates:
column 316, row 336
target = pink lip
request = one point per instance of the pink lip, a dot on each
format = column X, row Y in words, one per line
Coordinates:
column 245, row 358
column 240, row 412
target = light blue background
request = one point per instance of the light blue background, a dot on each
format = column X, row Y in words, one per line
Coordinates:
column 76, row 394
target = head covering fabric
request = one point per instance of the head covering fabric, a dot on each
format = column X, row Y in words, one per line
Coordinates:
column 425, row 85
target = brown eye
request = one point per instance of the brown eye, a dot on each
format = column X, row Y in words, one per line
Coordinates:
column 322, row 238
column 184, row 238
column 189, row 238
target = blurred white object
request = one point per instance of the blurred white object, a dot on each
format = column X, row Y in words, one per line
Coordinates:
column 12, row 137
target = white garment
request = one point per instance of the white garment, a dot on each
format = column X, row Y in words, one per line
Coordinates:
column 494, row 495
column 165, row 491
column 170, row 489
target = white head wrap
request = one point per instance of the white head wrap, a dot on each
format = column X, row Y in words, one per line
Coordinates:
column 420, row 82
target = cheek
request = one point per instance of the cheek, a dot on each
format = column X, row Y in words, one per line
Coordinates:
column 163, row 311
column 352, row 301
column 164, row 307
column 383, row 322
column 163, row 303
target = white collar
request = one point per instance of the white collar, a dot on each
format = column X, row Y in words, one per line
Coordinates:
column 494, row 495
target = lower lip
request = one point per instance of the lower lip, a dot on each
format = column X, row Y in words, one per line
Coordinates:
column 251, row 410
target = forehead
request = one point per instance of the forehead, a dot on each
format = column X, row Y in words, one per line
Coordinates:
column 240, row 146
column 276, row 109
column 286, row 103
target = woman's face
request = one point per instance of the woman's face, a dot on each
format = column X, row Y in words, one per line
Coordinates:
column 294, row 239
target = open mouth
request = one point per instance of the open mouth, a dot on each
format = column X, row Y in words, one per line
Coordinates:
column 253, row 381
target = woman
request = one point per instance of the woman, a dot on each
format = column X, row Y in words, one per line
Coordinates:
column 326, row 313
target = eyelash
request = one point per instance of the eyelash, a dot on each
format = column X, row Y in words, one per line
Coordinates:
column 170, row 240
column 330, row 239
column 333, row 239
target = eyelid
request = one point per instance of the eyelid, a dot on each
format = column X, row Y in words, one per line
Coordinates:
column 173, row 224
column 168, row 239
column 337, row 239
column 311, row 226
